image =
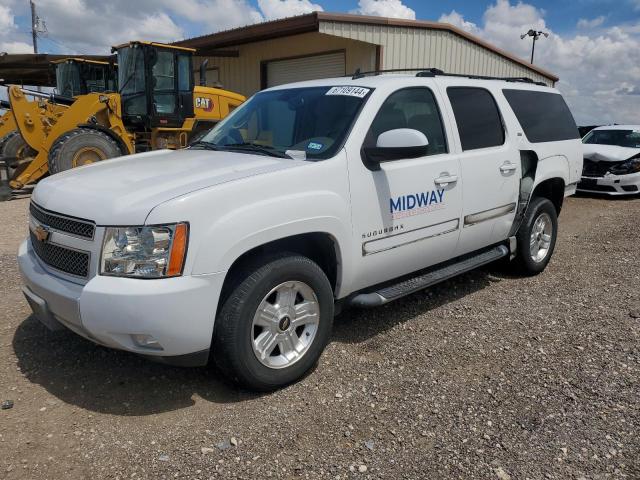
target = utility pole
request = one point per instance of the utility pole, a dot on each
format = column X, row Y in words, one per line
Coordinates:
column 536, row 34
column 34, row 26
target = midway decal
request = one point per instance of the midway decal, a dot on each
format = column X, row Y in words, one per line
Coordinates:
column 416, row 203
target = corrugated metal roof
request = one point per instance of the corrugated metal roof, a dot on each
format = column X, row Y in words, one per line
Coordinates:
column 311, row 23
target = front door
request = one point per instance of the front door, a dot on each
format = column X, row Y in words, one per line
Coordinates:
column 490, row 166
column 406, row 215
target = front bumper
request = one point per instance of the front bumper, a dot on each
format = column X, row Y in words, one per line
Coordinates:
column 611, row 184
column 177, row 312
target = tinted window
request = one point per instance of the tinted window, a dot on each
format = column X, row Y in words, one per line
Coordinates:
column 544, row 116
column 414, row 108
column 477, row 116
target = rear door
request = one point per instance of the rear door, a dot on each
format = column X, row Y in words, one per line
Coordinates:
column 489, row 163
column 405, row 216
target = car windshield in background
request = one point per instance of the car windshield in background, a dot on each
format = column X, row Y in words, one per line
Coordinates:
column 313, row 120
column 620, row 138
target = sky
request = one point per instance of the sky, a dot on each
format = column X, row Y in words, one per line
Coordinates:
column 593, row 45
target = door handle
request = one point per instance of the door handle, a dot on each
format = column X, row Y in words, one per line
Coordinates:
column 445, row 180
column 508, row 167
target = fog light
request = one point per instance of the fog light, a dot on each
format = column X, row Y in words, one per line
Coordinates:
column 146, row 341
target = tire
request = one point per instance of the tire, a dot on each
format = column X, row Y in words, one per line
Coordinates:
column 81, row 146
column 534, row 251
column 12, row 145
column 237, row 338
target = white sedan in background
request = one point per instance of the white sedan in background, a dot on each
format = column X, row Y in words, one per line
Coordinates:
column 611, row 160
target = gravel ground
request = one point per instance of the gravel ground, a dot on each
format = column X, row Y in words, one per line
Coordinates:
column 485, row 376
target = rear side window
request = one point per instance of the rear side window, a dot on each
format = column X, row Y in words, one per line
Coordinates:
column 477, row 116
column 544, row 116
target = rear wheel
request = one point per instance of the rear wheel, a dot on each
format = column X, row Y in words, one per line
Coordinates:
column 82, row 146
column 14, row 147
column 274, row 325
column 536, row 237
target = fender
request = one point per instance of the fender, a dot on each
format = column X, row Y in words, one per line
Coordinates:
column 246, row 213
column 556, row 166
column 257, row 228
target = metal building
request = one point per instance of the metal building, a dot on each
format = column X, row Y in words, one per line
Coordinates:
column 321, row 44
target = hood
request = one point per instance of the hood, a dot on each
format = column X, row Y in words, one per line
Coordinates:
column 124, row 190
column 608, row 153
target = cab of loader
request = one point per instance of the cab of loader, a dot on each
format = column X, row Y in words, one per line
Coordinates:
column 156, row 84
column 79, row 76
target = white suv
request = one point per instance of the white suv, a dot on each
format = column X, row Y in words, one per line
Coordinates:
column 310, row 196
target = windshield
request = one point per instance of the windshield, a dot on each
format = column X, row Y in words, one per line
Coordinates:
column 68, row 79
column 620, row 138
column 313, row 120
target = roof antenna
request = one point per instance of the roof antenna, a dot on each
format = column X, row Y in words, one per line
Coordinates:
column 357, row 74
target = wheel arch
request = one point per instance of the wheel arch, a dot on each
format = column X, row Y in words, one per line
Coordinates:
column 552, row 189
column 320, row 247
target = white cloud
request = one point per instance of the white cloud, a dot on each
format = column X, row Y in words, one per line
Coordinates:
column 457, row 20
column 6, row 18
column 273, row 9
column 11, row 40
column 593, row 23
column 16, row 47
column 92, row 26
column 213, row 15
column 599, row 74
column 385, row 8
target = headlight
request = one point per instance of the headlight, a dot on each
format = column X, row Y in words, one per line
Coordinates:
column 144, row 252
column 625, row 168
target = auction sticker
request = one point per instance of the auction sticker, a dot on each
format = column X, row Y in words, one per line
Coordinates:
column 359, row 92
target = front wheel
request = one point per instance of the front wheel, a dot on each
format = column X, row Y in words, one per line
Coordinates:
column 276, row 322
column 81, row 146
column 536, row 237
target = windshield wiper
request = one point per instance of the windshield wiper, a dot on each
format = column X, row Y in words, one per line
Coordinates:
column 254, row 147
column 204, row 145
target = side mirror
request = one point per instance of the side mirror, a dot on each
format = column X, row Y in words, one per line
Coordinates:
column 203, row 73
column 397, row 144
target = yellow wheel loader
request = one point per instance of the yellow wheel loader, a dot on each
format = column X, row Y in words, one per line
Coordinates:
column 157, row 107
column 26, row 123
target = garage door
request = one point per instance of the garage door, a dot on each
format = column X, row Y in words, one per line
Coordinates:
column 305, row 68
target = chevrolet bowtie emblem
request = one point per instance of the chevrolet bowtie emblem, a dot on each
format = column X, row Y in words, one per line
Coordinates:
column 42, row 233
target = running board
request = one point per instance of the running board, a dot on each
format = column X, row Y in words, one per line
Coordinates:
column 412, row 285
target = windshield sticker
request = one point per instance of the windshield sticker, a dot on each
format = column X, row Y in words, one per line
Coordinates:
column 314, row 146
column 358, row 92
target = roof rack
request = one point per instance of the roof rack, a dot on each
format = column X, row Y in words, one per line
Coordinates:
column 432, row 72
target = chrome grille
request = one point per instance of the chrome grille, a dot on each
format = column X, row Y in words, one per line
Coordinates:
column 73, row 262
column 72, row 226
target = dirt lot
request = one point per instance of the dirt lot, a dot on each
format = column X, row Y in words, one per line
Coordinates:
column 486, row 376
